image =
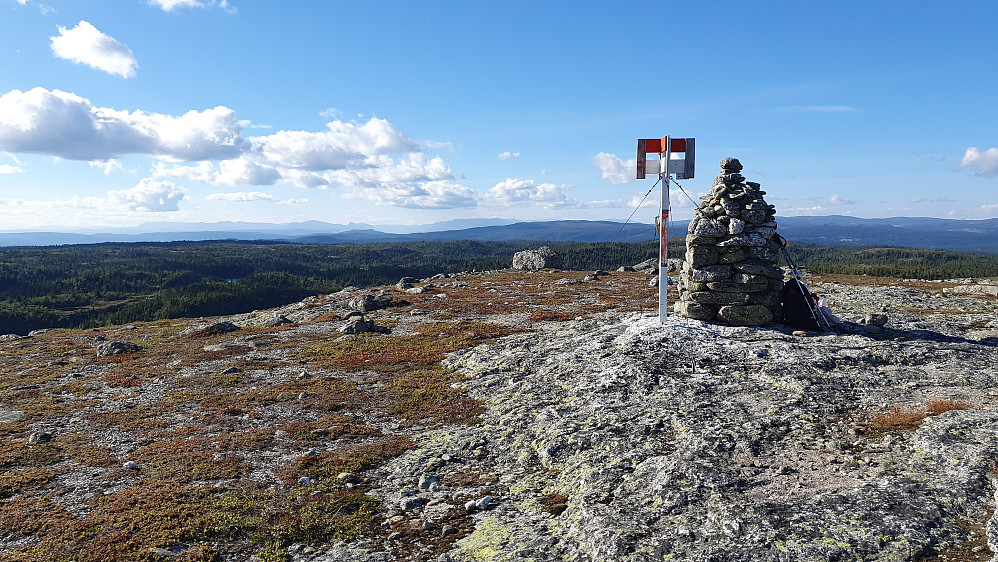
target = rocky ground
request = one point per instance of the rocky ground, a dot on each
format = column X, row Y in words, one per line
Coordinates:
column 519, row 416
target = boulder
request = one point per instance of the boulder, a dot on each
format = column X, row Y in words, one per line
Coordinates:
column 533, row 260
column 205, row 330
column 368, row 302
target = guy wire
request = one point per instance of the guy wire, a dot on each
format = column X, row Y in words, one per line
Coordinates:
column 635, row 209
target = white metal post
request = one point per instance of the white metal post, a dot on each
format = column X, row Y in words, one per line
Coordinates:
column 663, row 248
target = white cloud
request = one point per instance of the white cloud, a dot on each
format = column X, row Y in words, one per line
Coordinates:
column 10, row 169
column 170, row 5
column 528, row 192
column 239, row 171
column 149, row 195
column 508, row 155
column 448, row 146
column 838, row 200
column 106, row 166
column 87, row 45
column 242, row 197
column 341, row 145
column 986, row 162
column 429, row 195
column 615, row 170
column 383, row 170
column 66, row 125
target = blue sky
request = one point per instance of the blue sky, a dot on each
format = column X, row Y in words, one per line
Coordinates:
column 117, row 113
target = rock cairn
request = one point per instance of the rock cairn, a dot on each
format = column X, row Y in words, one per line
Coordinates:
column 730, row 272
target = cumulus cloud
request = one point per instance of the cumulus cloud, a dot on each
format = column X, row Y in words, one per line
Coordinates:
column 508, row 155
column 342, row 144
column 615, row 170
column 839, row 200
column 986, row 162
column 429, row 195
column 66, row 125
column 242, row 197
column 10, row 169
column 209, row 147
column 149, row 195
column 85, row 44
column 528, row 192
column 239, row 171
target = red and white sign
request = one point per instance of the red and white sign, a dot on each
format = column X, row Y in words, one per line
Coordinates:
column 675, row 157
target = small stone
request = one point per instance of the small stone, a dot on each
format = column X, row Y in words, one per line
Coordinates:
column 303, row 396
column 731, row 165
column 483, row 503
column 411, row 502
column 879, row 320
column 471, row 506
column 448, row 530
column 800, row 333
column 280, row 433
column 39, row 437
column 304, row 480
column 130, row 465
column 396, row 536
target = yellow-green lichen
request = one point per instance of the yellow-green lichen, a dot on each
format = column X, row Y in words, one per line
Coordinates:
column 487, row 541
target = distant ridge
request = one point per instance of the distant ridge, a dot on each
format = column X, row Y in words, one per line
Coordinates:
column 916, row 232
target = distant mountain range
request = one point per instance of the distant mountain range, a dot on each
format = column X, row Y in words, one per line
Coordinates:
column 932, row 233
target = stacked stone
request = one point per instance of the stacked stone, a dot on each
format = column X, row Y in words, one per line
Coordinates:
column 730, row 273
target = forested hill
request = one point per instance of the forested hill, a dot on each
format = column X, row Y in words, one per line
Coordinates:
column 99, row 284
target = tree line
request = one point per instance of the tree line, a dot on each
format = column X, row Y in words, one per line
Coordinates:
column 84, row 286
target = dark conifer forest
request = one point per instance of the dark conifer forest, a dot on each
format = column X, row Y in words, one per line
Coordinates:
column 81, row 286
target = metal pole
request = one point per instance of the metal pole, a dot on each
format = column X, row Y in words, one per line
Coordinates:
column 663, row 247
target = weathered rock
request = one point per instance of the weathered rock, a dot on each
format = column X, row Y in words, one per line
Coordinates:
column 540, row 258
column 709, row 273
column 719, row 298
column 110, row 348
column 368, row 302
column 695, row 310
column 974, row 289
column 707, row 228
column 213, row 329
column 700, row 256
column 750, row 315
column 873, row 319
column 360, row 325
